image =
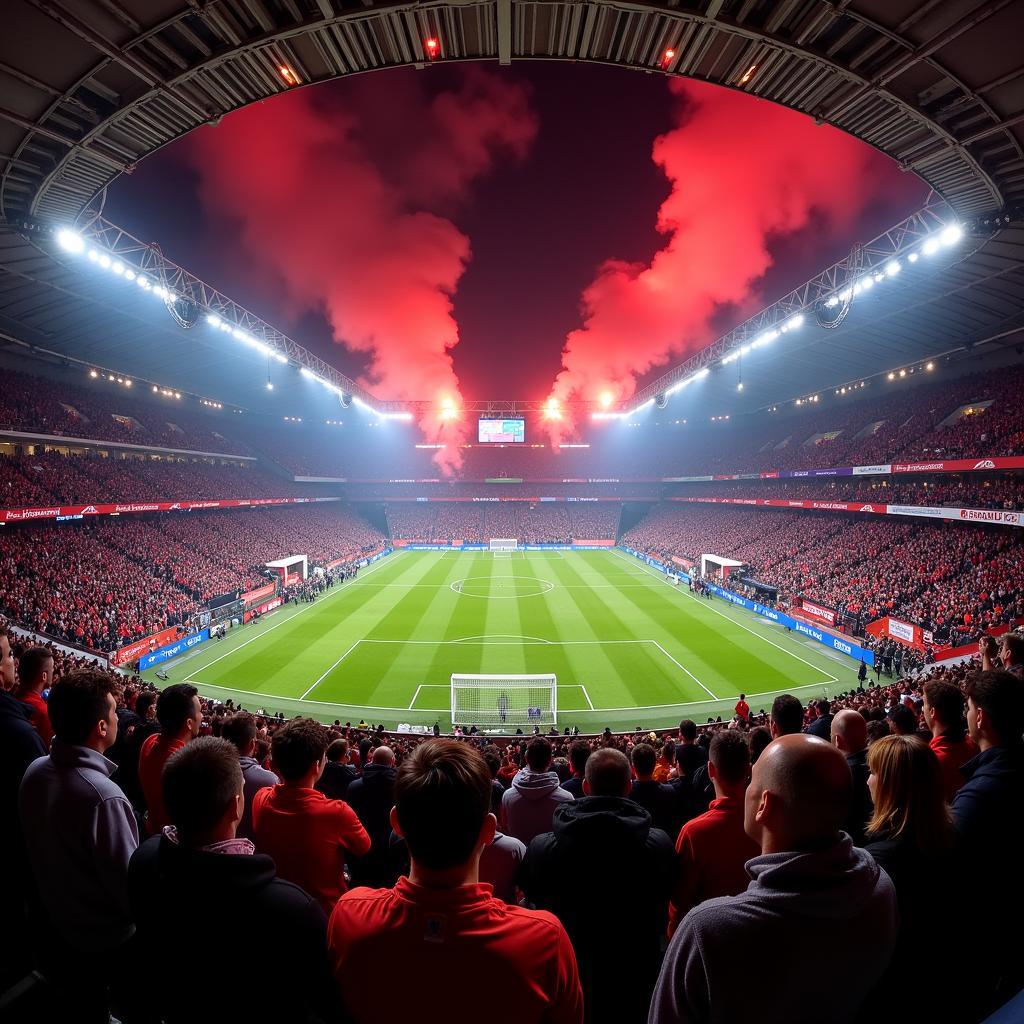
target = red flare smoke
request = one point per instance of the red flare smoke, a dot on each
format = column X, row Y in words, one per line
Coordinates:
column 358, row 238
column 742, row 171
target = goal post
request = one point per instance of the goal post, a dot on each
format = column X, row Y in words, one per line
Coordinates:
column 504, row 544
column 504, row 702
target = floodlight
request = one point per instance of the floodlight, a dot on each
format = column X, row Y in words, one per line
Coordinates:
column 951, row 234
column 70, row 240
column 930, row 247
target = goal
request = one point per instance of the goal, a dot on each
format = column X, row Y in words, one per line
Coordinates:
column 504, row 702
column 504, row 544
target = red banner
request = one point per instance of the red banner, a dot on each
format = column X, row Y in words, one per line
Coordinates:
column 817, row 611
column 959, row 465
column 23, row 515
column 135, row 650
column 828, row 506
column 252, row 596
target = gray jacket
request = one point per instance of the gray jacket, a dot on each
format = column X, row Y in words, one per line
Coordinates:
column 528, row 805
column 499, row 865
column 802, row 918
column 80, row 832
column 254, row 778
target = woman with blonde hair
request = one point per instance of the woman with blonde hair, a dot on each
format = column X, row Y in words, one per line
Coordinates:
column 912, row 838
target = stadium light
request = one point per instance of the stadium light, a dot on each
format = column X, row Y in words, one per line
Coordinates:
column 552, row 410
column 449, row 410
column 607, row 415
column 606, row 398
column 930, row 247
column 403, row 416
column 71, row 241
column 951, row 234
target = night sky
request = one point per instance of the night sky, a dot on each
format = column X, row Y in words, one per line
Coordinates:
column 363, row 205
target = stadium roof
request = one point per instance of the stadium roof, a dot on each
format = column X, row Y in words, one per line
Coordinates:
column 88, row 91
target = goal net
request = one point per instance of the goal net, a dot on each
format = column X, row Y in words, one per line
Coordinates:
column 504, row 544
column 504, row 702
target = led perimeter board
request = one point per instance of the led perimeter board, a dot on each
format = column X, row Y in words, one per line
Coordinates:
column 507, row 431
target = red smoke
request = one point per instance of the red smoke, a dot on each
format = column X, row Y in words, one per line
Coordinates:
column 356, row 237
column 742, row 171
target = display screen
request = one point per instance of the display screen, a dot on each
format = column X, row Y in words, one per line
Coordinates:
column 502, row 431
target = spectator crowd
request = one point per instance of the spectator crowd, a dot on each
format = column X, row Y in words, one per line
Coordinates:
column 612, row 878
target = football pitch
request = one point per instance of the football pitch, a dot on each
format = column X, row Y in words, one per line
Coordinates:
column 627, row 648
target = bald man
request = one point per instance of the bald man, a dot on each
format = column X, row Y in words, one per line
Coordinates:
column 850, row 735
column 372, row 796
column 815, row 905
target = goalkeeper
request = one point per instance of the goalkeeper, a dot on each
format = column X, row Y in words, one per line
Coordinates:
column 503, row 708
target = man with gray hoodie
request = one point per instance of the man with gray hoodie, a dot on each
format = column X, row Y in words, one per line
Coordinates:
column 814, row 901
column 528, row 805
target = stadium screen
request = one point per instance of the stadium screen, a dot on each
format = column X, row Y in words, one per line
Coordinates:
column 508, row 431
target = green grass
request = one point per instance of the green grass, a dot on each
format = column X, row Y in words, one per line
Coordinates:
column 627, row 648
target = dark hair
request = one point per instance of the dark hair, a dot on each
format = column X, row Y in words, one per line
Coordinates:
column 538, row 754
column 787, row 714
column 758, row 739
column 730, row 755
column 493, row 759
column 77, row 702
column 200, row 782
column 903, row 719
column 878, row 728
column 1001, row 696
column 644, row 758
column 579, row 751
column 442, row 794
column 240, row 730
column 688, row 730
column 336, row 750
column 174, row 707
column 947, row 702
column 144, row 702
column 1014, row 643
column 297, row 746
column 31, row 662
column 607, row 772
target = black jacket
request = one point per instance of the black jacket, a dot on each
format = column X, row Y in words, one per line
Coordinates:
column 230, row 916
column 604, row 869
column 20, row 745
column 860, row 800
column 661, row 803
column 987, row 814
column 336, row 779
column 927, row 917
column 372, row 796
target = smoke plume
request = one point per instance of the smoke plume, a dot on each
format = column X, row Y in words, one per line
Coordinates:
column 358, row 233
column 742, row 172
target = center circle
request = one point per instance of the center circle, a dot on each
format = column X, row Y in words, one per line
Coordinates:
column 502, row 587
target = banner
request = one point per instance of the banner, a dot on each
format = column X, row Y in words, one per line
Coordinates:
column 173, row 650
column 267, row 606
column 879, row 470
column 796, row 474
column 997, row 516
column 137, row 648
column 63, row 512
column 960, row 465
column 252, row 596
column 901, row 630
column 818, row 611
column 967, row 515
